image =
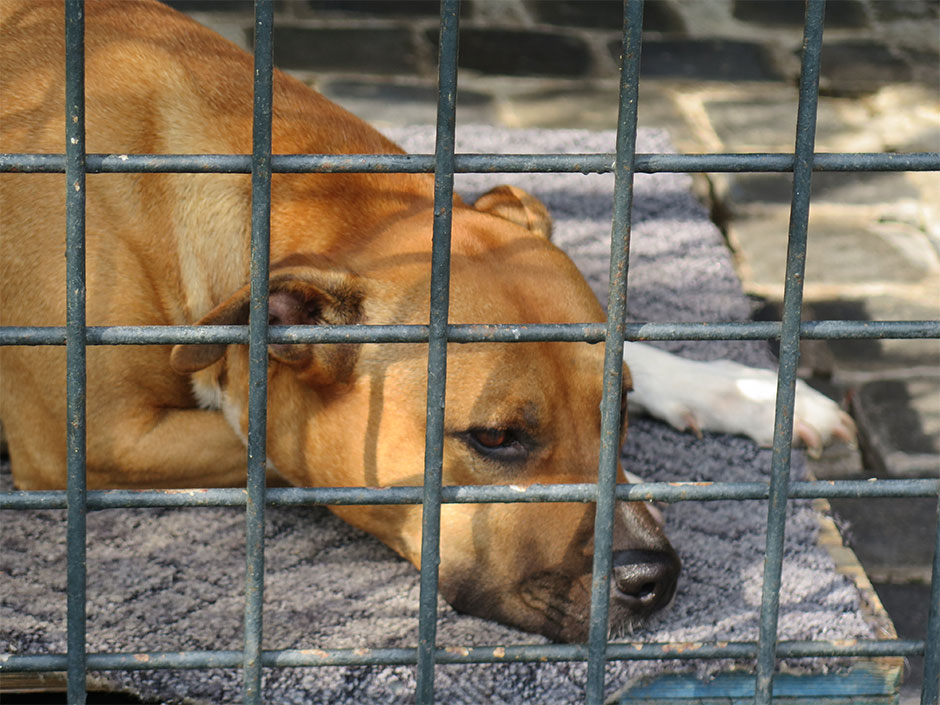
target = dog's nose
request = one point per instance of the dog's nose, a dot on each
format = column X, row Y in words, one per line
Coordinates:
column 644, row 580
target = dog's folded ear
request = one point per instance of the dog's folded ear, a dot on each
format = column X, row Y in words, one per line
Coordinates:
column 517, row 206
column 297, row 296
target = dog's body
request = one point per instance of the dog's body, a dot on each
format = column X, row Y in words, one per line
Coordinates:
column 168, row 249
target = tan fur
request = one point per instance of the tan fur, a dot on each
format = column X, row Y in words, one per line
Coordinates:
column 173, row 249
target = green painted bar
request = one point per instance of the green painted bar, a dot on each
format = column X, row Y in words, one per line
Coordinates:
column 868, row 683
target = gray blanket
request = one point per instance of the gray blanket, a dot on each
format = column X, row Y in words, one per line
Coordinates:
column 172, row 579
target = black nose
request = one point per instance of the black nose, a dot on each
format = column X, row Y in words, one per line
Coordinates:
column 644, row 581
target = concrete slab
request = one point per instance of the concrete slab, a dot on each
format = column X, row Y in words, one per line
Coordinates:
column 839, row 252
column 899, row 425
column 837, row 462
column 893, row 538
column 855, row 188
column 397, row 103
column 907, row 605
column 861, row 66
column 846, row 365
column 766, row 122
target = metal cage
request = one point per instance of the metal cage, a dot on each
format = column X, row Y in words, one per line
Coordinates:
column 803, row 162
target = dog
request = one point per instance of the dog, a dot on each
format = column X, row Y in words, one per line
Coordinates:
column 172, row 249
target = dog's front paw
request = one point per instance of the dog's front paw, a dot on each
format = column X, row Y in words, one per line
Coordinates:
column 743, row 401
column 819, row 421
column 728, row 397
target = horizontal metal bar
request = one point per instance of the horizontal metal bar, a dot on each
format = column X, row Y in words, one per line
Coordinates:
column 475, row 494
column 541, row 653
column 470, row 163
column 472, row 333
column 209, row 335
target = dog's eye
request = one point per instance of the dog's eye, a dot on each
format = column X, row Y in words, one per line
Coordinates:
column 502, row 444
column 490, row 437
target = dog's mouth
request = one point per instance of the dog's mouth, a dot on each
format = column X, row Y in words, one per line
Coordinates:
column 556, row 605
column 561, row 602
column 563, row 606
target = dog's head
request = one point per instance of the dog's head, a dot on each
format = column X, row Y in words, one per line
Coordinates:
column 515, row 413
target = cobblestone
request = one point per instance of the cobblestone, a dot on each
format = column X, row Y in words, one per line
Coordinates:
column 387, row 50
column 839, row 13
column 523, row 52
column 860, row 65
column 705, row 59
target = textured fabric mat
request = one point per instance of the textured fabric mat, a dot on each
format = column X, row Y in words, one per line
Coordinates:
column 172, row 579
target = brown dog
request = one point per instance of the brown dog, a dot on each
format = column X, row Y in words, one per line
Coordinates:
column 346, row 248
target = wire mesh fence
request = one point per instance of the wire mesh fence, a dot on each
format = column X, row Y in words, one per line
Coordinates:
column 261, row 164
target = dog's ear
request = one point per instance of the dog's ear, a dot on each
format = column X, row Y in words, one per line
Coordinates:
column 517, row 206
column 297, row 296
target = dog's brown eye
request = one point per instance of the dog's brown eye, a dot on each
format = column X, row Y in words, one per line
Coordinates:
column 490, row 437
column 502, row 444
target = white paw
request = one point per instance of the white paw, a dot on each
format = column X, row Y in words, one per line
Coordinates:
column 728, row 397
column 819, row 421
column 746, row 405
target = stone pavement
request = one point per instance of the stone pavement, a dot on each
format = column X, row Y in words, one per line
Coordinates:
column 720, row 76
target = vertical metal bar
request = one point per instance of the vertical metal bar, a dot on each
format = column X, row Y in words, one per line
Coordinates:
column 789, row 348
column 437, row 347
column 931, row 689
column 613, row 349
column 258, row 347
column 75, row 343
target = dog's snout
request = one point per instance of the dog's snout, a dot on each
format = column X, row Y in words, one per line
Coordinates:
column 643, row 580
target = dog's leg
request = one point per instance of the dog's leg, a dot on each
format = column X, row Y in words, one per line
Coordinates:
column 133, row 441
column 166, row 448
column 142, row 449
column 727, row 397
